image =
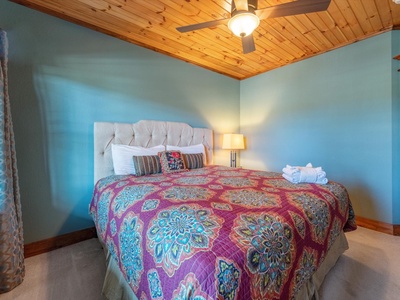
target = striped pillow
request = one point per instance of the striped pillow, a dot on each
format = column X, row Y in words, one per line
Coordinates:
column 193, row 161
column 146, row 165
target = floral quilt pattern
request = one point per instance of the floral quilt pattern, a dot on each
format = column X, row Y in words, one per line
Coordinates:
column 218, row 232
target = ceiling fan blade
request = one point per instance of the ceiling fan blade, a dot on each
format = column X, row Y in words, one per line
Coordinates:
column 240, row 4
column 248, row 44
column 293, row 8
column 201, row 25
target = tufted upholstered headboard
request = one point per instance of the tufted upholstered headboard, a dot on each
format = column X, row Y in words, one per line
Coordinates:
column 145, row 134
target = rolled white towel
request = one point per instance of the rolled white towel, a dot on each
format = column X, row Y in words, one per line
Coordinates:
column 304, row 174
column 290, row 170
column 289, row 178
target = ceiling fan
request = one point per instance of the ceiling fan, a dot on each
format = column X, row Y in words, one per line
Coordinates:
column 245, row 17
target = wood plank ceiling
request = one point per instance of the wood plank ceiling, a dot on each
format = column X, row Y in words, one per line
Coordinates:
column 280, row 41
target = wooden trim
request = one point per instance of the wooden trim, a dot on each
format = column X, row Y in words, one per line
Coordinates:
column 396, row 230
column 60, row 241
column 378, row 225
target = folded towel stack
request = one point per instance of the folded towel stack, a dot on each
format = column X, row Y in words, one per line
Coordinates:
column 305, row 174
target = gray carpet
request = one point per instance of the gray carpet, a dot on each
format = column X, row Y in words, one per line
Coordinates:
column 369, row 270
column 71, row 273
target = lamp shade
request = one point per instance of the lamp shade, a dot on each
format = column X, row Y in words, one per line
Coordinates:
column 233, row 141
column 243, row 24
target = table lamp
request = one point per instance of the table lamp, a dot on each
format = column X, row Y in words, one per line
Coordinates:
column 233, row 142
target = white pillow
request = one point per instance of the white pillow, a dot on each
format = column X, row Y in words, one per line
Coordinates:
column 199, row 148
column 122, row 157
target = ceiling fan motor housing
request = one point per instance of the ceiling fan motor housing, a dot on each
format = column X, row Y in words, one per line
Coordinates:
column 251, row 4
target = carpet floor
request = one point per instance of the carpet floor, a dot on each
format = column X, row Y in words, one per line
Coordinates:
column 369, row 270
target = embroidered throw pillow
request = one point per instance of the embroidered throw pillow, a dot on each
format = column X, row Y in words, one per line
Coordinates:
column 146, row 164
column 171, row 162
column 193, row 161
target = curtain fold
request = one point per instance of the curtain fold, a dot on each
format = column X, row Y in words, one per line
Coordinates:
column 12, row 268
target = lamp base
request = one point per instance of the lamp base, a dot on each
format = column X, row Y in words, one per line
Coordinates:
column 233, row 159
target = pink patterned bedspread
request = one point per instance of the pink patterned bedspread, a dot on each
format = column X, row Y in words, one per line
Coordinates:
column 218, row 232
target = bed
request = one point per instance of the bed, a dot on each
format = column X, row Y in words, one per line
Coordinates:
column 211, row 232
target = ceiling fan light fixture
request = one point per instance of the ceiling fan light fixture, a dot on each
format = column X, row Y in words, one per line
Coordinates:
column 243, row 23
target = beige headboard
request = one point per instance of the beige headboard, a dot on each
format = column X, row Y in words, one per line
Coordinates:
column 145, row 134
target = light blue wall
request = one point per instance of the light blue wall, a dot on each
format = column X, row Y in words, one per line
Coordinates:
column 62, row 78
column 334, row 110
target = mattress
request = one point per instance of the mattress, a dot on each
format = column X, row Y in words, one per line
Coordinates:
column 218, row 233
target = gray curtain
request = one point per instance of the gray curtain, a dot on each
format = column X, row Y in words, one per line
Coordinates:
column 12, row 268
